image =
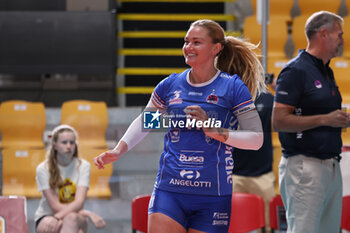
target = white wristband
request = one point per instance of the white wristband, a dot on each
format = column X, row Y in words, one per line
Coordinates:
column 250, row 136
column 247, row 140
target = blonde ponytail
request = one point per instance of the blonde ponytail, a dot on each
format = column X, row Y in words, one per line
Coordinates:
column 238, row 57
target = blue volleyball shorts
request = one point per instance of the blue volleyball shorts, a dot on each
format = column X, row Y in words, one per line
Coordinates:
column 200, row 212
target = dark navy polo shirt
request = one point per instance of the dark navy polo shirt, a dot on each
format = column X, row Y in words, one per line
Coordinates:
column 257, row 162
column 309, row 85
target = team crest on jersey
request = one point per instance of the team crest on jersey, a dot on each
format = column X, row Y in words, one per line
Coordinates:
column 212, row 98
column 175, row 135
column 318, row 84
column 175, row 98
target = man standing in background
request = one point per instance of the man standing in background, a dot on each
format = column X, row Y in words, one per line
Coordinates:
column 308, row 116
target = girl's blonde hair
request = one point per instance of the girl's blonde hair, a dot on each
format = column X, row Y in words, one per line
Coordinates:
column 236, row 57
column 55, row 176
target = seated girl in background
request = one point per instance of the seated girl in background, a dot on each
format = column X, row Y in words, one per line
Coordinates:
column 63, row 178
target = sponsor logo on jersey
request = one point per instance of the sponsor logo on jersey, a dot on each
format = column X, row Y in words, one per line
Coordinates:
column 191, row 159
column 218, row 215
column 190, row 174
column 245, row 108
column 228, row 163
column 193, row 93
column 209, row 140
column 225, row 75
column 318, row 84
column 175, row 98
column 220, row 219
column 190, row 183
column 189, row 180
column 220, row 222
column 282, row 92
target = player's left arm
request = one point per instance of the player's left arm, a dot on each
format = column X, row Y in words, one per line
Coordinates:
column 250, row 136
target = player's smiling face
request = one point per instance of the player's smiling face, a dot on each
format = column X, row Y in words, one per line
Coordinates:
column 198, row 47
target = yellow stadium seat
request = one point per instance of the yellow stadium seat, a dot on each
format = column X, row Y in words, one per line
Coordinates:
column 89, row 118
column 277, row 7
column 298, row 33
column 277, row 155
column 345, row 134
column 308, row 7
column 341, row 70
column 99, row 179
column 19, row 168
column 252, row 31
column 276, row 41
column 347, row 4
column 346, row 35
column 22, row 124
column 277, row 34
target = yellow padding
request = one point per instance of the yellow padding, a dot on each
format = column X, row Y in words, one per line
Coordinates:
column 298, row 32
column 99, row 178
column 341, row 70
column 311, row 6
column 346, row 36
column 22, row 123
column 19, row 167
column 150, row 52
column 163, row 34
column 135, row 90
column 148, row 71
column 89, row 118
column 194, row 1
column 175, row 17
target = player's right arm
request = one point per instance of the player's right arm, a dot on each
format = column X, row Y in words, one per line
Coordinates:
column 133, row 135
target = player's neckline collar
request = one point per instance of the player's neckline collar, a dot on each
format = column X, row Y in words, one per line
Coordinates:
column 201, row 84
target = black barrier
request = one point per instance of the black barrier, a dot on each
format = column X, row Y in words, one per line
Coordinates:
column 57, row 42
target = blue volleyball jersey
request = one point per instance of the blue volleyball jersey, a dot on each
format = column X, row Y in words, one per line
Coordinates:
column 192, row 162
